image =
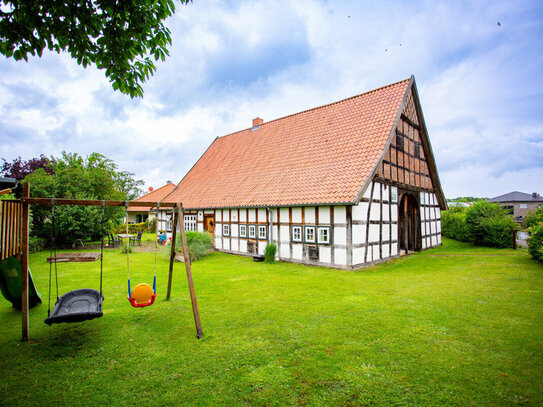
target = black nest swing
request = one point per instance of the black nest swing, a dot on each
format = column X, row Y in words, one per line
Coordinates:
column 78, row 305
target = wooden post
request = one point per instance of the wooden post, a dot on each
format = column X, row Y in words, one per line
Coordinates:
column 514, row 232
column 24, row 264
column 172, row 252
column 186, row 255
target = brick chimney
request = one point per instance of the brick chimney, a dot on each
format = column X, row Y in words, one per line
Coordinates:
column 257, row 122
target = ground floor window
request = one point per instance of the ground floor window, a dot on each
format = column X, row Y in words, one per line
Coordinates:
column 262, row 232
column 140, row 218
column 252, row 231
column 242, row 230
column 190, row 223
column 310, row 234
column 324, row 234
column 226, row 229
column 296, row 233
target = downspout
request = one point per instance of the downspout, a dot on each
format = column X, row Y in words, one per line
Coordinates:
column 270, row 235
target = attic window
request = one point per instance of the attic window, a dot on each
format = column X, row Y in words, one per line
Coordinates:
column 399, row 142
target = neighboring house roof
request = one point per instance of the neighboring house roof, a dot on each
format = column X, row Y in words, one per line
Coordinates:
column 517, row 196
column 154, row 196
column 324, row 155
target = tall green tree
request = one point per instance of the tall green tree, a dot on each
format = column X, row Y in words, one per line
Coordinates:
column 77, row 177
column 120, row 36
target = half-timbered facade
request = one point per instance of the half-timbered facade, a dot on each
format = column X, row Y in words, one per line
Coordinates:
column 344, row 185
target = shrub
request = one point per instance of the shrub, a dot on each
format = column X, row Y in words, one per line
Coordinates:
column 269, row 253
column 533, row 218
column 151, row 225
column 489, row 224
column 453, row 224
column 133, row 228
column 36, row 244
column 199, row 244
column 535, row 241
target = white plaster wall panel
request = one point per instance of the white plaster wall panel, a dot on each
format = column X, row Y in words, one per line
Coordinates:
column 386, row 229
column 375, row 252
column 273, row 215
column 296, row 215
column 358, row 255
column 394, row 232
column 386, row 251
column 261, row 215
column 386, row 215
column 376, row 192
column 360, row 211
column 284, row 213
column 438, row 213
column 209, row 211
column 422, row 213
column 243, row 246
column 340, row 235
column 218, row 243
column 261, row 247
column 438, row 239
column 375, row 211
column 424, row 245
column 226, row 215
column 433, row 241
column 374, row 233
column 234, row 244
column 243, row 215
column 432, row 227
column 234, row 215
column 297, row 252
column 367, row 192
column 274, row 234
column 369, row 256
column 218, row 216
column 309, row 214
column 359, row 234
column 234, row 230
column 284, row 251
column 421, row 198
column 324, row 215
column 218, row 231
column 340, row 214
column 438, row 226
column 200, row 227
column 325, row 254
column 226, row 244
column 200, row 215
column 394, row 213
column 285, row 233
column 340, row 256
column 394, row 251
column 252, row 215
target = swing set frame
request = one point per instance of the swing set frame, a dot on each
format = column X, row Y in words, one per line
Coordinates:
column 18, row 237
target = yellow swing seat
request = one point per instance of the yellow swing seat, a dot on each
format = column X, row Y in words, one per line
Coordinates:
column 142, row 295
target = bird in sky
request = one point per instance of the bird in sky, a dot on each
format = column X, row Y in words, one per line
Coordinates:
column 499, row 25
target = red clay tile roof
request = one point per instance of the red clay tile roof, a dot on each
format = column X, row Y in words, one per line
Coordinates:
column 155, row 196
column 318, row 156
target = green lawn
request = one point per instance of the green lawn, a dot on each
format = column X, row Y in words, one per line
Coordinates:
column 456, row 325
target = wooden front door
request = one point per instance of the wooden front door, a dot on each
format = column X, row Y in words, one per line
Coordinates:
column 409, row 224
column 209, row 223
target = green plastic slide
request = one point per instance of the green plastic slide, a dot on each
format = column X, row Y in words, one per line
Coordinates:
column 10, row 283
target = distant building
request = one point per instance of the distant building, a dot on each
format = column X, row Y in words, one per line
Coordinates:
column 459, row 204
column 519, row 203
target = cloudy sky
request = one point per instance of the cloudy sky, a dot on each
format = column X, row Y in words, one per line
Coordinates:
column 480, row 84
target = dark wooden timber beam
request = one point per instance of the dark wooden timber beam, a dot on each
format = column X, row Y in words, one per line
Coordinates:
column 92, row 202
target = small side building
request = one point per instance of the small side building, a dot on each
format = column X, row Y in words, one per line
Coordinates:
column 344, row 185
column 141, row 214
column 519, row 203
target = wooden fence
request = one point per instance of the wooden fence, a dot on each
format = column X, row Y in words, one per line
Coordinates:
column 11, row 229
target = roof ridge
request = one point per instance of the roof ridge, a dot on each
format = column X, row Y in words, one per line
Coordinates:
column 322, row 106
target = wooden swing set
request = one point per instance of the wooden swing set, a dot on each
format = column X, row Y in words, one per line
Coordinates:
column 14, row 240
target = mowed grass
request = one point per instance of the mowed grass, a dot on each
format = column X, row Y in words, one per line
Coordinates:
column 456, row 325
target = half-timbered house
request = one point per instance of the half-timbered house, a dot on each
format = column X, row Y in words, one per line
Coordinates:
column 344, row 185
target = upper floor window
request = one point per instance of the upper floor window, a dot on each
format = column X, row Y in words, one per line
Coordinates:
column 324, row 234
column 226, row 229
column 242, row 230
column 310, row 234
column 296, row 233
column 252, row 231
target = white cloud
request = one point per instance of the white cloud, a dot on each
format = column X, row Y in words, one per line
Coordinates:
column 479, row 84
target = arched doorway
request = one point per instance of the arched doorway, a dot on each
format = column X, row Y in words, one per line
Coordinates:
column 409, row 224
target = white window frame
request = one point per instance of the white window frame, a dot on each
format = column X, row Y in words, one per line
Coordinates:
column 393, row 194
column 251, row 231
column 523, row 206
column 242, row 230
column 306, row 239
column 328, row 239
column 297, row 228
column 168, row 223
column 226, row 229
column 262, row 236
column 190, row 223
